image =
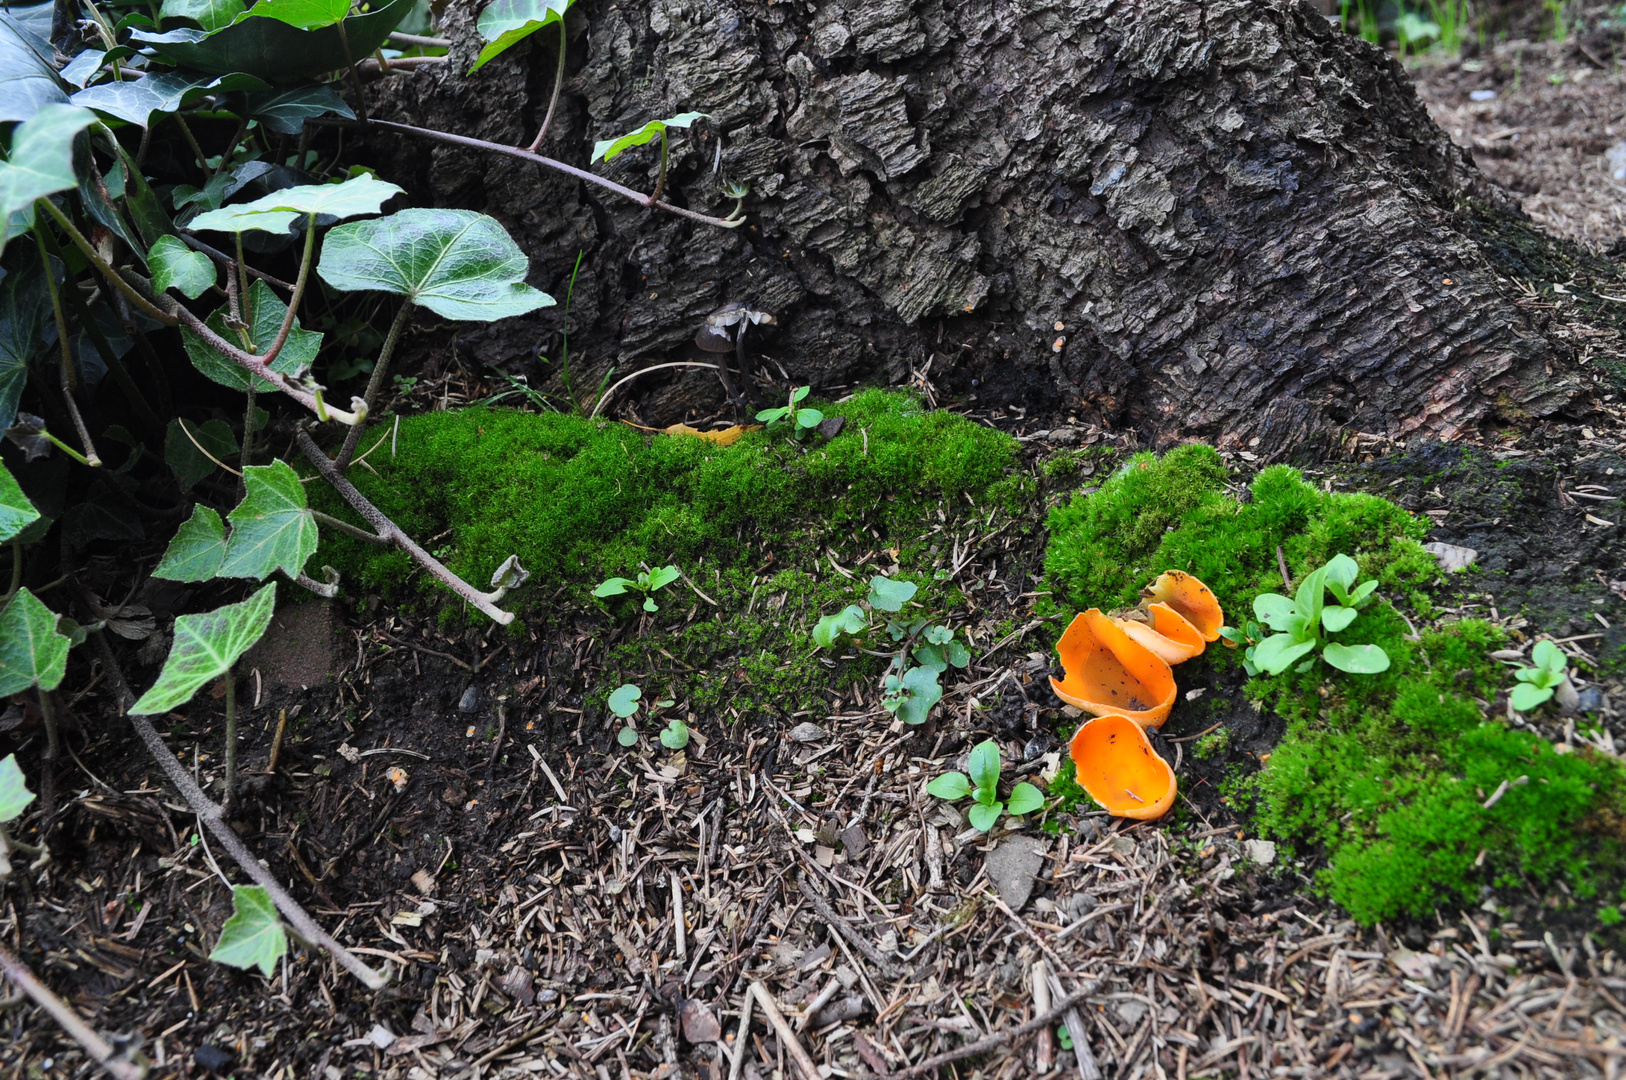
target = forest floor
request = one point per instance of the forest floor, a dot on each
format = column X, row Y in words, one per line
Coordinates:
column 452, row 803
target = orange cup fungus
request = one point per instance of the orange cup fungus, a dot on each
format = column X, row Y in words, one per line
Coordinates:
column 1118, row 767
column 1118, row 669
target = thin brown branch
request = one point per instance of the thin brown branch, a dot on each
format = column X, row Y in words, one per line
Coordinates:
column 97, row 1047
column 992, row 1042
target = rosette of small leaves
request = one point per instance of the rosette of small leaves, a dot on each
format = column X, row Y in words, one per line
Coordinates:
column 1539, row 681
column 983, row 787
column 1304, row 621
column 647, row 583
column 804, row 422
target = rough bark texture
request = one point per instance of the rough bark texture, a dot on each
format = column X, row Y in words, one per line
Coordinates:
column 1214, row 219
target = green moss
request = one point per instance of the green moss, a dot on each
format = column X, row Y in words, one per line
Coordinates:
column 579, row 499
column 1213, row 744
column 1385, row 777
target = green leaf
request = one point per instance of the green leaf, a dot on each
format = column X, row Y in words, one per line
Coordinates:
column 16, row 512
column 609, row 149
column 40, row 161
column 888, row 595
column 1311, row 595
column 662, row 576
column 676, row 735
column 273, row 50
column 772, row 416
column 253, row 937
column 205, row 648
column 983, row 764
column 1360, row 597
column 613, row 587
column 271, row 529
column 1336, row 618
column 265, row 319
column 938, row 635
column 362, row 194
column 1341, row 572
column 176, row 266
column 28, row 79
column 1025, row 799
column 1526, row 697
column 458, row 264
column 135, row 101
column 801, row 391
column 809, row 418
column 208, row 14
column 950, row 786
column 627, row 736
column 284, row 112
column 197, row 550
column 1548, row 657
column 623, row 700
column 1356, row 659
column 1273, row 609
column 305, row 14
column 506, row 23
column 650, row 605
column 983, row 816
column 921, row 685
column 958, row 654
column 32, row 652
column 931, row 656
column 25, row 319
column 190, row 464
column 1277, row 652
column 14, row 793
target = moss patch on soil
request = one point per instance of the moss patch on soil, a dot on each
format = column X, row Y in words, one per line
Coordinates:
column 1395, row 780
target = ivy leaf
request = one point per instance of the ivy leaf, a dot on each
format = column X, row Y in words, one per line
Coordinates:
column 25, row 314
column 983, row 816
column 364, row 194
column 610, row 149
column 623, row 700
column 265, row 319
column 950, row 786
column 273, row 50
column 459, row 264
column 305, row 14
column 136, row 100
column 14, row 793
column 176, row 266
column 190, row 464
column 1356, row 659
column 285, row 112
column 32, row 652
column 197, row 550
column 209, row 14
column 205, row 648
column 888, row 595
column 16, row 512
column 506, row 23
column 253, row 937
column 271, row 529
column 1025, row 799
column 28, row 79
column 40, row 161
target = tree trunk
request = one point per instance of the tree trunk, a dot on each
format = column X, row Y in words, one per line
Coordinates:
column 1218, row 219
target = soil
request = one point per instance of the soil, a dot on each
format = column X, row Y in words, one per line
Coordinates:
column 548, row 903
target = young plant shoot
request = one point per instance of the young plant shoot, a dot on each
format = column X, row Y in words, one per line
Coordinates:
column 648, row 583
column 983, row 787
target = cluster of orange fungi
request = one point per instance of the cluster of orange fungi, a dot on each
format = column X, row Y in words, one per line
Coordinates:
column 1118, row 671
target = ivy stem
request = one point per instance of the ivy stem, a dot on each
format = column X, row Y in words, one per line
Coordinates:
column 53, row 740
column 298, row 293
column 246, row 456
column 228, row 803
column 375, row 384
column 660, row 178
column 231, row 148
column 70, row 1021
column 192, row 141
column 242, row 284
column 558, row 85
column 355, row 77
column 113, row 277
column 67, row 373
column 66, row 449
column 330, row 522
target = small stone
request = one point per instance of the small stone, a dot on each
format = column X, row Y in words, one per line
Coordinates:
column 700, row 1024
column 1590, row 700
column 1451, row 557
column 212, row 1058
column 1012, row 866
column 1482, row 95
column 1081, row 904
column 470, row 701
column 1130, row 1012
column 806, row 732
column 1262, row 852
column 854, row 840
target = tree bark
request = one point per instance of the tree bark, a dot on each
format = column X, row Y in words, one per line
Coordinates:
column 1216, row 219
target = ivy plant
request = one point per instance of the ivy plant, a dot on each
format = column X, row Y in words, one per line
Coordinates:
column 254, row 936
column 14, row 799
column 983, row 787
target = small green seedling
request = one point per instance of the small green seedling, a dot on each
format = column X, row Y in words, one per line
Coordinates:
column 623, row 701
column 984, row 788
column 14, row 799
column 909, row 691
column 675, row 736
column 1304, row 621
column 805, row 421
column 648, row 583
column 1064, row 1038
column 1539, row 681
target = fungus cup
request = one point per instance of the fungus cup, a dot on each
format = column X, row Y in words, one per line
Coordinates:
column 1191, row 599
column 1116, row 764
column 1168, row 634
column 1109, row 673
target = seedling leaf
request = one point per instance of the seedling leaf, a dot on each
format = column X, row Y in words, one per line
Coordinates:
column 14, row 793
column 950, row 786
column 197, row 550
column 271, row 528
column 610, row 149
column 983, row 764
column 921, row 685
column 623, row 700
column 176, row 266
column 958, row 654
column 253, row 937
column 459, row 264
column 676, row 735
column 1526, row 696
column 205, row 647
column 983, row 816
column 16, row 512
column 627, row 736
column 888, row 595
column 615, row 586
column 662, row 576
column 1356, row 659
column 1336, row 618
column 1025, row 799
column 32, row 652
column 1548, row 657
column 1277, row 652
column 1273, row 609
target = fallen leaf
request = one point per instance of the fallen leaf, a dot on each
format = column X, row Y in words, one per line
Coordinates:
column 725, row 437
